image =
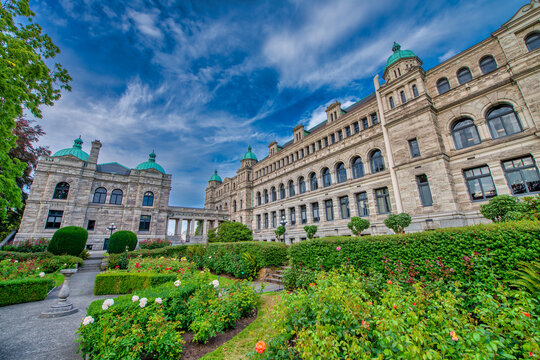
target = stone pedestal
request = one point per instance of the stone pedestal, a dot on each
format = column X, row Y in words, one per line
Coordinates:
column 63, row 307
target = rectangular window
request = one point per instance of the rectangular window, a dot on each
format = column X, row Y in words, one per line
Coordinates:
column 365, row 123
column 292, row 214
column 274, row 219
column 326, row 141
column 54, row 219
column 303, row 214
column 362, row 204
column 266, row 221
column 356, row 127
column 91, row 225
column 344, row 207
column 313, row 147
column 258, row 222
column 347, row 131
column 329, row 209
column 340, row 135
column 144, row 224
column 522, row 175
column 479, row 183
column 413, row 147
column 332, row 138
column 383, row 200
column 374, row 119
column 319, row 145
column 315, row 212
column 424, row 190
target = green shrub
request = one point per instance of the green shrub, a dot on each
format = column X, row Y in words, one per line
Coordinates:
column 47, row 261
column 499, row 206
column 69, row 240
column 120, row 239
column 231, row 231
column 24, row 290
column 398, row 222
column 125, row 283
column 310, row 230
column 280, row 231
column 28, row 246
column 357, row 225
column 154, row 243
column 427, row 253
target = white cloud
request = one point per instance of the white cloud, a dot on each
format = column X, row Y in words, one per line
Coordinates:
column 146, row 23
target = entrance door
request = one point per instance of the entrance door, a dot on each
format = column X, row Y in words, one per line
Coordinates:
column 106, row 244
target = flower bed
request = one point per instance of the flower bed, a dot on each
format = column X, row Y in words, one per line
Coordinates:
column 47, row 261
column 28, row 246
column 151, row 244
column 149, row 323
column 347, row 315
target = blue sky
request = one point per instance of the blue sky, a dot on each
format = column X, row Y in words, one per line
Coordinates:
column 199, row 81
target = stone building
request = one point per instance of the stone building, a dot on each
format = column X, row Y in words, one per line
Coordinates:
column 434, row 143
column 72, row 188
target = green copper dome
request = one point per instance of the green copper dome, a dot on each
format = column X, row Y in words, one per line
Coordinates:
column 398, row 54
column 249, row 155
column 150, row 164
column 76, row 150
column 215, row 177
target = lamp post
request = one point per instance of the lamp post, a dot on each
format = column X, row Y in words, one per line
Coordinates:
column 112, row 227
column 283, row 223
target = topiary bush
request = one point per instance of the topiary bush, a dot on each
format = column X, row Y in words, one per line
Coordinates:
column 398, row 222
column 69, row 240
column 357, row 225
column 120, row 239
column 231, row 231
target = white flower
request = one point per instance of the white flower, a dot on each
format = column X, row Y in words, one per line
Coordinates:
column 177, row 283
column 142, row 302
column 215, row 283
column 109, row 302
column 209, row 257
column 202, row 272
column 134, row 298
column 158, row 300
column 42, row 274
column 87, row 320
column 16, row 261
column 104, row 306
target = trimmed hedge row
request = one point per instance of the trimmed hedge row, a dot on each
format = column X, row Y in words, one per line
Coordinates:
column 50, row 262
column 24, row 290
column 125, row 283
column 428, row 251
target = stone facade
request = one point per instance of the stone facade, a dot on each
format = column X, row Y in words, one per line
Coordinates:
column 447, row 133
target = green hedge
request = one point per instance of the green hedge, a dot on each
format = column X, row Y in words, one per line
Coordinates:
column 69, row 240
column 507, row 242
column 49, row 262
column 24, row 290
column 125, row 283
column 120, row 239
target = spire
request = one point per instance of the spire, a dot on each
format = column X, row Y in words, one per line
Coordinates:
column 152, row 157
column 77, row 143
column 396, row 47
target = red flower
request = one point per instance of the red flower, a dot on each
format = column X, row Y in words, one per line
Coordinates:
column 526, row 314
column 414, row 303
column 389, row 282
column 288, row 292
column 530, row 353
column 395, row 306
column 137, row 265
column 117, row 266
column 260, row 347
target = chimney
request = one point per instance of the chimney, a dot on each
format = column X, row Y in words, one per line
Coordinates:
column 94, row 153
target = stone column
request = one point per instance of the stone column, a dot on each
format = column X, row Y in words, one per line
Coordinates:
column 178, row 230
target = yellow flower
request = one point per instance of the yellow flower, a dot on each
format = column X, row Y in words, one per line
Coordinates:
column 10, row 63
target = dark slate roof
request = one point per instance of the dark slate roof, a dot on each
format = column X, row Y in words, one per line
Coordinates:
column 113, row 168
column 361, row 102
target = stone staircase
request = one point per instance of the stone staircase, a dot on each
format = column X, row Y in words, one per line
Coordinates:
column 93, row 262
column 275, row 277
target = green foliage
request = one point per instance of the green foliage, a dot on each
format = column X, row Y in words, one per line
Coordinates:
column 508, row 244
column 154, row 244
column 357, row 225
column 499, row 206
column 527, row 277
column 69, row 240
column 398, row 222
column 298, row 277
column 310, row 230
column 125, row 283
column 231, row 231
column 29, row 245
column 280, row 231
column 26, row 82
column 339, row 317
column 212, row 236
column 120, row 239
column 24, row 290
column 45, row 260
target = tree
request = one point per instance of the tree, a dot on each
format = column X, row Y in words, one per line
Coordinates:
column 26, row 82
column 212, row 236
column 398, row 222
column 310, row 230
column 357, row 225
column 280, row 231
column 499, row 207
column 231, row 231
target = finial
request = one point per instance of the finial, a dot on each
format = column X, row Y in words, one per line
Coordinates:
column 152, row 157
column 215, row 171
column 249, row 148
column 396, row 47
column 77, row 142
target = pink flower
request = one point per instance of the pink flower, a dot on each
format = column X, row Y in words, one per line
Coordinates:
column 338, row 248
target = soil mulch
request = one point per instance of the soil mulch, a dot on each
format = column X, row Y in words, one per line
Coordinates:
column 194, row 351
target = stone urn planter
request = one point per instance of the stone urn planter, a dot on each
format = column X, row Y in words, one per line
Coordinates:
column 63, row 307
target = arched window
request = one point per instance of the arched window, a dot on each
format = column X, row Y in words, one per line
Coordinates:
column 533, row 41
column 391, row 101
column 443, row 85
column 502, row 121
column 465, row 134
column 301, row 185
column 341, row 173
column 234, row 206
column 265, row 196
column 403, row 97
column 273, row 193
column 415, row 90
column 464, row 75
column 282, row 191
column 488, row 64
column 313, row 181
column 291, row 188
column 148, row 199
column 259, row 200
column 100, row 195
column 326, row 177
column 357, row 167
column 377, row 161
column 61, row 191
column 116, row 197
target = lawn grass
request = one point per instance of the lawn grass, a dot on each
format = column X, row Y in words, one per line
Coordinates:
column 261, row 329
column 58, row 279
column 223, row 281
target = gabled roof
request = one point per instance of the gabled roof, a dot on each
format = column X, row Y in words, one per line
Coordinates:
column 113, row 168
